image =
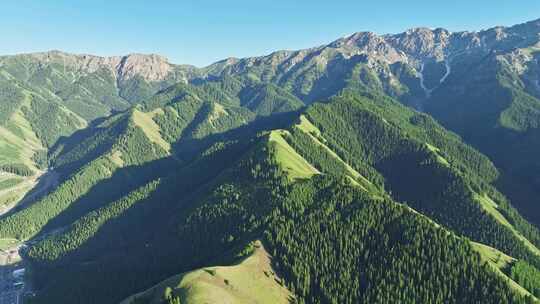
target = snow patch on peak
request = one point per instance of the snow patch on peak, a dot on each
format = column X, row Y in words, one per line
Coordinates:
column 448, row 70
column 420, row 74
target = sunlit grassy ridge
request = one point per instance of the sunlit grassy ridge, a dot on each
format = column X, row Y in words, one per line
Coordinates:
column 294, row 164
column 150, row 128
column 315, row 134
column 251, row 281
column 491, row 207
column 437, row 151
column 500, row 263
column 8, row 243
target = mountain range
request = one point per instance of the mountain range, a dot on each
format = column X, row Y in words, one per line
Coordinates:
column 374, row 169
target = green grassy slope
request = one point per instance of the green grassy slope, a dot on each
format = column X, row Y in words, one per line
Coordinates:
column 316, row 136
column 295, row 166
column 500, row 263
column 135, row 149
column 491, row 207
column 251, row 281
column 46, row 97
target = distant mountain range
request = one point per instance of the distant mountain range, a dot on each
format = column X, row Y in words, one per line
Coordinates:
column 374, row 169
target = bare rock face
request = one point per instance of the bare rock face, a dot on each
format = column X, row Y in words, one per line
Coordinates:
column 150, row 67
column 426, row 54
column 370, row 44
column 421, row 43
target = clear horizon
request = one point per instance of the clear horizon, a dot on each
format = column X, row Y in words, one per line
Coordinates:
column 203, row 32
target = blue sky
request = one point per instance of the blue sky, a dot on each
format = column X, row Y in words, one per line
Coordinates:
column 201, row 32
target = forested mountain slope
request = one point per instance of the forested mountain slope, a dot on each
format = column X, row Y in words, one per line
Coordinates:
column 168, row 173
column 173, row 188
column 483, row 85
column 46, row 97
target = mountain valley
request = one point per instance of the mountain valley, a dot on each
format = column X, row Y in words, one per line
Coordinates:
column 374, row 169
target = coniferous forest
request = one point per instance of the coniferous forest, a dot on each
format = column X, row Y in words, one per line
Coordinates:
column 374, row 169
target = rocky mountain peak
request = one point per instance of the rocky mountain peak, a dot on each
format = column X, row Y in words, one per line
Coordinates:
column 415, row 44
column 151, row 67
column 363, row 40
column 367, row 43
column 421, row 42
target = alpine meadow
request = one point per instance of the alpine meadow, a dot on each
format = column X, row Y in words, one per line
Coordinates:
column 396, row 168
